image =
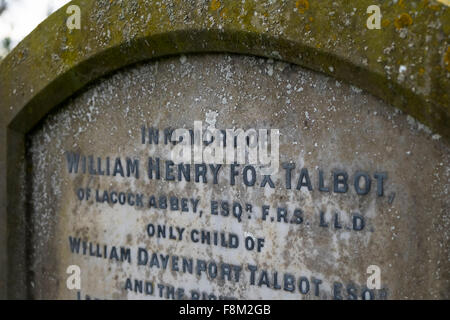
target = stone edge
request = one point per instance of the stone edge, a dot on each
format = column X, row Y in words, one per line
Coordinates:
column 43, row 70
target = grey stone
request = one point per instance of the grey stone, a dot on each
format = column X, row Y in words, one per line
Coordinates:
column 324, row 124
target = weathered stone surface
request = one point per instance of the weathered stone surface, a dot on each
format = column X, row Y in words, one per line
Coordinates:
column 324, row 124
column 321, row 35
column 406, row 64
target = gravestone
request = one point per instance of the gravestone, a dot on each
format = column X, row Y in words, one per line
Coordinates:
column 359, row 192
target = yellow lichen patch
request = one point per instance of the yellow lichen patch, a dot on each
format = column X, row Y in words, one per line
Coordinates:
column 385, row 23
column 223, row 13
column 215, row 4
column 421, row 71
column 311, row 19
column 447, row 59
column 302, row 5
column 403, row 21
column 307, row 27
